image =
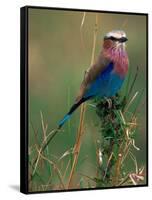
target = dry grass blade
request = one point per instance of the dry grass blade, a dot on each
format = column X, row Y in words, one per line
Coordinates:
column 44, row 130
column 133, row 144
column 92, row 179
column 68, row 104
column 81, row 26
column 35, row 133
column 54, row 166
column 94, row 39
column 65, row 172
column 37, row 174
column 99, row 157
column 126, row 151
column 137, row 104
column 108, row 162
column 118, row 166
column 124, row 180
column 134, row 160
column 77, row 146
column 49, row 137
column 66, row 153
column 133, row 82
column 131, row 101
column 44, row 127
column 83, row 18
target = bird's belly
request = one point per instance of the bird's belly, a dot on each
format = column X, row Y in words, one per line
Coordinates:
column 111, row 86
column 106, row 85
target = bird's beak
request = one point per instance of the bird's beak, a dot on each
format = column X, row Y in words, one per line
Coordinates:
column 123, row 39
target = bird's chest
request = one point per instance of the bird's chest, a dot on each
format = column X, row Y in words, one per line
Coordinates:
column 109, row 81
column 121, row 67
column 109, row 84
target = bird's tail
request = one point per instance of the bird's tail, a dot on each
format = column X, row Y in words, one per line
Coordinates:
column 72, row 109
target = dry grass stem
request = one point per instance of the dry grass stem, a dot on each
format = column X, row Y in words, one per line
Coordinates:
column 44, row 144
column 56, row 169
column 77, row 145
column 65, row 172
column 131, row 101
column 118, row 166
column 108, row 162
column 94, row 39
column 81, row 27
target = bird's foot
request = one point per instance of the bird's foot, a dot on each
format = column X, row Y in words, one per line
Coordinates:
column 109, row 101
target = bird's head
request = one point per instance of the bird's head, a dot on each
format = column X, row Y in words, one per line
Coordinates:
column 115, row 39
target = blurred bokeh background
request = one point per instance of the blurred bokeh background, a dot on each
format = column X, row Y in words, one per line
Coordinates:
column 57, row 61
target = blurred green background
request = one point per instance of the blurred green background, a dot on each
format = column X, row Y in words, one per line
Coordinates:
column 57, row 61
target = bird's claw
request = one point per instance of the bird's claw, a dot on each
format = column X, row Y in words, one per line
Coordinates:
column 109, row 101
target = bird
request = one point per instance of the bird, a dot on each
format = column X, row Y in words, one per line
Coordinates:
column 105, row 77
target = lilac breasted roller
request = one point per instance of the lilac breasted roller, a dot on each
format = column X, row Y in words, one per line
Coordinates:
column 105, row 77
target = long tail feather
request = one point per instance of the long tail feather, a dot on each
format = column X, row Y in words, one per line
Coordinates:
column 72, row 109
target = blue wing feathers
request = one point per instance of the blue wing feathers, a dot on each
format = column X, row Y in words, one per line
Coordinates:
column 106, row 84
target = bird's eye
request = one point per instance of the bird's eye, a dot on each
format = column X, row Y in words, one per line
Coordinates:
column 113, row 38
column 121, row 40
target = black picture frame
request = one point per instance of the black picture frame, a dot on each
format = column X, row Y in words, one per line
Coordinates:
column 24, row 92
